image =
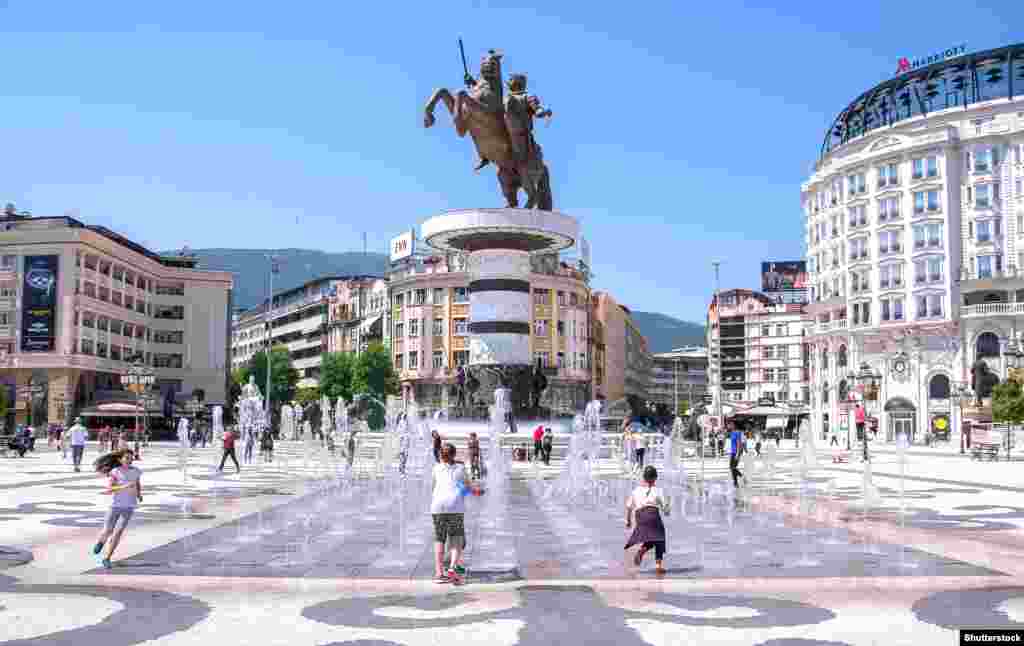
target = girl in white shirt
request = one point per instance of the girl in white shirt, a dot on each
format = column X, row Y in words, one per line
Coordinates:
column 645, row 506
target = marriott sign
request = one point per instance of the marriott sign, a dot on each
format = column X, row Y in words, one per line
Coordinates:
column 905, row 64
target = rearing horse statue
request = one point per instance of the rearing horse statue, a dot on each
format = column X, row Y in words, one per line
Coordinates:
column 480, row 111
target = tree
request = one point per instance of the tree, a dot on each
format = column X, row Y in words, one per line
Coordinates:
column 337, row 372
column 1008, row 403
column 375, row 376
column 307, row 395
column 283, row 376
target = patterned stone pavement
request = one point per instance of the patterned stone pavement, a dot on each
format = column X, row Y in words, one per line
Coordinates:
column 273, row 556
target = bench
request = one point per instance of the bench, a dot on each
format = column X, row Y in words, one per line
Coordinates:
column 985, row 449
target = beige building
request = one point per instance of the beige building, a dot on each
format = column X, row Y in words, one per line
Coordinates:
column 79, row 302
column 626, row 362
column 679, row 377
column 358, row 309
column 299, row 319
column 428, row 332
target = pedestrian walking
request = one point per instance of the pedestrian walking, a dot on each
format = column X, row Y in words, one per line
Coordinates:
column 549, row 443
column 735, row 451
column 125, row 485
column 267, row 445
column 538, row 443
column 448, row 508
column 757, row 445
column 644, row 509
column 78, row 434
column 229, row 451
column 474, row 456
column 65, row 442
column 642, row 441
column 250, row 443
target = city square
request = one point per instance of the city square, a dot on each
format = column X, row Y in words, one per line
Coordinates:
column 491, row 363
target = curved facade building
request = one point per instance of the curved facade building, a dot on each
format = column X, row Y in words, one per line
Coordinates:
column 914, row 227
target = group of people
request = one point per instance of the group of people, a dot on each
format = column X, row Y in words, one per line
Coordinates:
column 635, row 443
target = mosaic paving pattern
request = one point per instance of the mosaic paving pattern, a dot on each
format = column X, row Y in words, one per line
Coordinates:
column 359, row 532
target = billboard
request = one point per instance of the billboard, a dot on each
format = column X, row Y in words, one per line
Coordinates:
column 39, row 304
column 777, row 276
column 403, row 246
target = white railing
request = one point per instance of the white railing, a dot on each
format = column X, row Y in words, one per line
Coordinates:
column 825, row 327
column 988, row 309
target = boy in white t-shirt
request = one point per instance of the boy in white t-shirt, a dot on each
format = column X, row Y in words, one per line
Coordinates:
column 126, row 487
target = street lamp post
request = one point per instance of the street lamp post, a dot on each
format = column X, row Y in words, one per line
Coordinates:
column 869, row 379
column 1014, row 356
column 138, row 379
column 961, row 393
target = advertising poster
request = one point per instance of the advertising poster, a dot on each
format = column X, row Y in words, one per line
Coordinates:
column 39, row 304
column 783, row 275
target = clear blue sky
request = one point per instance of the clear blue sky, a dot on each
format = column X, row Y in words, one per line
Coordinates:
column 682, row 130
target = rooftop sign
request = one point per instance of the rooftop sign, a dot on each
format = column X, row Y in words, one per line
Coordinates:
column 905, row 65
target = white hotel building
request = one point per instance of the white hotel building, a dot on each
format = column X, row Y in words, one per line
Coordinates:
column 915, row 241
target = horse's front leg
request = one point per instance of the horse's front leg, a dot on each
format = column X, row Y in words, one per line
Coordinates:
column 440, row 95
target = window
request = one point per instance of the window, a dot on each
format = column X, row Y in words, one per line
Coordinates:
column 540, row 327
column 438, row 329
column 5, row 318
column 1018, row 187
column 7, row 261
column 414, row 328
column 983, row 196
column 984, row 229
column 769, row 352
column 414, row 360
column 888, row 209
column 420, row 296
column 560, row 360
column 399, row 361
column 461, row 295
column 862, row 313
column 892, row 308
column 929, row 305
column 888, row 175
column 765, row 330
column 540, row 296
column 890, row 276
column 856, row 184
column 171, row 312
column 889, row 241
column 85, row 346
column 926, row 201
column 780, row 330
column 858, row 249
column 983, row 160
column 461, row 327
column 438, row 296
column 824, row 359
column 399, row 330
column 935, row 269
column 6, row 292
column 990, row 265
column 769, row 374
column 461, row 357
column 438, row 360
column 543, row 357
column 562, row 299
column 926, row 167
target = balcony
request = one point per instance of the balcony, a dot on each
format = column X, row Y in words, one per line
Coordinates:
column 992, row 309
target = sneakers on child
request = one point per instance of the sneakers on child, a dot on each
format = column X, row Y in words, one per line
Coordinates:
column 107, row 564
column 97, row 548
column 454, row 576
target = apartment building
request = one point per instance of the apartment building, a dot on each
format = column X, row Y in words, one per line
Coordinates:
column 627, row 363
column 679, row 378
column 79, row 303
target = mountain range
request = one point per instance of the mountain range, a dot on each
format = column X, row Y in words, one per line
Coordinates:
column 251, row 268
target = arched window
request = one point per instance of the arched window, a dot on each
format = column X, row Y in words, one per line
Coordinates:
column 987, row 345
column 842, row 356
column 938, row 387
column 824, row 359
column 824, row 393
column 844, row 389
